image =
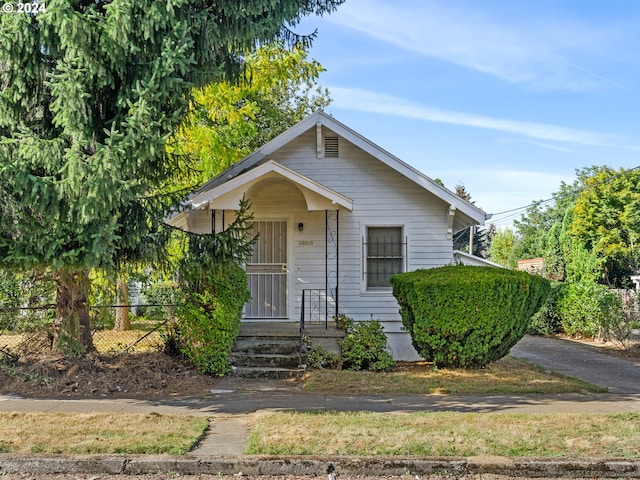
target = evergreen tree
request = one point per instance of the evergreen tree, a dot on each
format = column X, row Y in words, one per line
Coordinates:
column 481, row 235
column 91, row 93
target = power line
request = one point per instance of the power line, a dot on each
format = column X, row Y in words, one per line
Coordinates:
column 515, row 211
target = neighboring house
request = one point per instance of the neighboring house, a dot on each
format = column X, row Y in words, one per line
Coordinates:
column 535, row 266
column 337, row 216
column 468, row 259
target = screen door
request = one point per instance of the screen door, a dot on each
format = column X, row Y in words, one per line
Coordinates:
column 267, row 271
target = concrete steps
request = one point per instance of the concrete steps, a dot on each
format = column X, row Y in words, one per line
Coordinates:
column 272, row 349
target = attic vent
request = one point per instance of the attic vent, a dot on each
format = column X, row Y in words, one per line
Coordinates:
column 330, row 146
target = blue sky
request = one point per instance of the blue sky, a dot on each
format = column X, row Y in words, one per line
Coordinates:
column 508, row 98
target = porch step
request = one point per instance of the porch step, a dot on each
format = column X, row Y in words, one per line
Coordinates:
column 265, row 360
column 267, row 350
column 268, row 372
column 267, row 345
column 272, row 349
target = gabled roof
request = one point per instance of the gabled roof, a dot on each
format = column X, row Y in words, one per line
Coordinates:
column 457, row 204
column 228, row 194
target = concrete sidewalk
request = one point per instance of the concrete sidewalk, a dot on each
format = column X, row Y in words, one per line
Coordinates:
column 238, row 403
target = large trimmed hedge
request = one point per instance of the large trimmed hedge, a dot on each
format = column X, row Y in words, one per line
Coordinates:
column 465, row 316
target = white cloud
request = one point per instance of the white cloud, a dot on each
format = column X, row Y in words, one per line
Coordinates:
column 366, row 101
column 504, row 190
column 547, row 146
column 519, row 50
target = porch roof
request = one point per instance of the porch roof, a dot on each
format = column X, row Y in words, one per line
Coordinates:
column 227, row 196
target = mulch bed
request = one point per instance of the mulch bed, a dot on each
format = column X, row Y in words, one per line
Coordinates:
column 144, row 375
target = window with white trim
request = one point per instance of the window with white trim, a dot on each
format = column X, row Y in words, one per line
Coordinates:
column 384, row 256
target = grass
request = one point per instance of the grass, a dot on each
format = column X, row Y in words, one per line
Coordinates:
column 105, row 341
column 507, row 376
column 93, row 433
column 448, row 434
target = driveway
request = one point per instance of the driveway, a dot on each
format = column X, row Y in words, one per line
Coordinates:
column 581, row 361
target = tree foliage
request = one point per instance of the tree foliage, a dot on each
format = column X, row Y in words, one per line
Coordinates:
column 606, row 218
column 213, row 289
column 503, row 248
column 91, row 93
column 228, row 120
column 590, row 233
column 538, row 227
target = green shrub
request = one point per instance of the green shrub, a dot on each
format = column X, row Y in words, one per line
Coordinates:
column 161, row 298
column 319, row 357
column 547, row 320
column 209, row 320
column 464, row 316
column 588, row 309
column 622, row 330
column 365, row 346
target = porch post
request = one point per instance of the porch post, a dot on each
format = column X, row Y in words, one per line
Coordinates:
column 332, row 238
column 326, row 268
column 337, row 261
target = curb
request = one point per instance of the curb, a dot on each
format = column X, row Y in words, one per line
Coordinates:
column 314, row 466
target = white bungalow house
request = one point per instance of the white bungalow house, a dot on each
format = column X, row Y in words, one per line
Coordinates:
column 337, row 216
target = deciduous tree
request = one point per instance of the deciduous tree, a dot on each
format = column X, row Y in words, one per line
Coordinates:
column 503, row 248
column 606, row 218
column 230, row 119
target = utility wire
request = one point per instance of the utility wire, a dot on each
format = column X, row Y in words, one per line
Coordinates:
column 515, row 211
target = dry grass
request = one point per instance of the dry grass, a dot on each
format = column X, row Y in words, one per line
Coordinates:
column 109, row 341
column 92, row 433
column 509, row 376
column 448, row 434
column 105, row 341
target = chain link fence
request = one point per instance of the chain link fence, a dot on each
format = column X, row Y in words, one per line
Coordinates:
column 29, row 330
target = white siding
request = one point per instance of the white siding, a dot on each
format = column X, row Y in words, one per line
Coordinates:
column 381, row 196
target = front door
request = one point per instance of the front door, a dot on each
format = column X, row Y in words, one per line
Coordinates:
column 267, row 271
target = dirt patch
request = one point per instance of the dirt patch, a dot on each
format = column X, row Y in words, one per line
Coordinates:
column 144, row 375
